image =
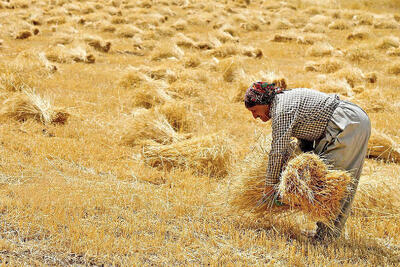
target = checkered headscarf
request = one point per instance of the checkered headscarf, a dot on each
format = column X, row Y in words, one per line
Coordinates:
column 261, row 93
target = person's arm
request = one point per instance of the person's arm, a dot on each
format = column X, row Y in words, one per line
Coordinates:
column 281, row 134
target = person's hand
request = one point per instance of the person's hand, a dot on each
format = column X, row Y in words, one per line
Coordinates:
column 269, row 192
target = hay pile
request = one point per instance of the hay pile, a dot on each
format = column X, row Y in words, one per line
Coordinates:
column 377, row 196
column 306, row 185
column 29, row 105
column 383, row 146
column 248, row 183
column 206, row 155
column 150, row 128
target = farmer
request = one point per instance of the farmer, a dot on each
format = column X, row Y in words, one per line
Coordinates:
column 336, row 130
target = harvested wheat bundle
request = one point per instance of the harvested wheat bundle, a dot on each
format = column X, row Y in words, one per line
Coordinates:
column 352, row 75
column 326, row 66
column 383, row 146
column 310, row 38
column 334, row 85
column 314, row 28
column 24, row 34
column 363, row 19
column 320, row 49
column 133, row 78
column 162, row 73
column 284, row 38
column 359, row 34
column 29, row 105
column 179, row 114
column 393, row 52
column 128, row 31
column 207, row 155
column 150, row 128
column 377, row 197
column 225, row 50
column 192, row 61
column 320, row 20
column 394, row 68
column 281, row 24
column 150, row 94
column 62, row 54
column 188, row 88
column 307, row 184
column 97, row 43
column 359, row 54
column 63, row 39
column 386, row 24
column 224, row 37
column 180, row 25
column 240, row 87
column 388, row 42
column 231, row 69
column 167, row 50
column 182, row 40
column 250, row 51
column 371, row 100
column 249, row 26
column 247, row 183
column 339, row 25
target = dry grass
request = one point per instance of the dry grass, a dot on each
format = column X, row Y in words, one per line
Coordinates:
column 74, row 194
column 207, row 155
column 383, row 146
column 320, row 50
column 29, row 105
column 327, row 66
column 307, row 184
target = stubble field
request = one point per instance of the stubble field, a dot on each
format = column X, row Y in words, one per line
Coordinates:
column 122, row 128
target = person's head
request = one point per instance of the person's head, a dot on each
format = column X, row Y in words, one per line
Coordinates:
column 258, row 99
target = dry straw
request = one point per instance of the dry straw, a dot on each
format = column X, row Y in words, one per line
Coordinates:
column 207, row 155
column 247, row 183
column 150, row 128
column 308, row 185
column 377, row 197
column 29, row 105
column 383, row 146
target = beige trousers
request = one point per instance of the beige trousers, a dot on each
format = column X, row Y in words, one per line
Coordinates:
column 344, row 147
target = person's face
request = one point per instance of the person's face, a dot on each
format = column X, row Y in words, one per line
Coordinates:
column 260, row 111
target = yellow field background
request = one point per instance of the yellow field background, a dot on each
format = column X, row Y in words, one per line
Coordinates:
column 121, row 126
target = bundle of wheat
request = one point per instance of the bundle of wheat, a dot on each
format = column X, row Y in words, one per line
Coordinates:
column 231, row 69
column 62, row 54
column 179, row 114
column 167, row 50
column 133, row 78
column 377, row 196
column 247, row 183
column 29, row 105
column 208, row 155
column 150, row 94
column 394, row 68
column 150, row 128
column 308, row 185
column 97, row 43
column 326, row 66
column 320, row 49
column 388, row 42
column 383, row 146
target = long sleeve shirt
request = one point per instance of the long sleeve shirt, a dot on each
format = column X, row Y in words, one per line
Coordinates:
column 301, row 113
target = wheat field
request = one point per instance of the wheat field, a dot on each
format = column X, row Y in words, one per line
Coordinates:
column 121, row 128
